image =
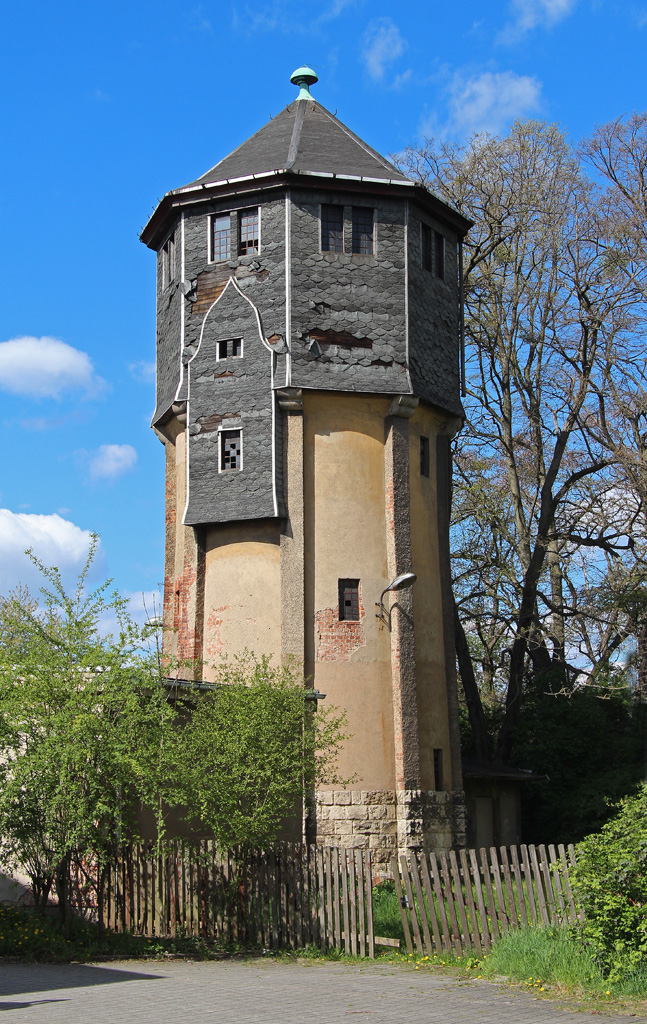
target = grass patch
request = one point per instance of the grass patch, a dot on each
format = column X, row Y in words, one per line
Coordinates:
column 542, row 958
column 26, row 935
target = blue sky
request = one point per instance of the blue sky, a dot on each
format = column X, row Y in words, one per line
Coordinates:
column 106, row 107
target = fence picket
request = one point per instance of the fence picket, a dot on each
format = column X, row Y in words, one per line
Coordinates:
column 489, row 894
column 458, row 887
column 403, row 908
column 572, row 913
column 431, row 902
column 507, row 879
column 344, row 889
column 548, row 883
column 330, row 921
column 471, row 908
column 541, row 899
column 502, row 914
column 411, row 903
column 444, row 869
column 476, row 875
column 438, row 891
column 532, row 902
column 415, row 874
column 352, row 901
column 361, row 910
column 369, row 904
column 518, row 877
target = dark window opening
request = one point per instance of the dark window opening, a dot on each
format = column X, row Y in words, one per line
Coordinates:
column 229, row 347
column 439, row 782
column 439, row 255
column 348, row 600
column 231, row 450
column 363, row 230
column 221, row 237
column 168, row 261
column 332, row 228
column 426, row 246
column 248, row 232
column 424, row 456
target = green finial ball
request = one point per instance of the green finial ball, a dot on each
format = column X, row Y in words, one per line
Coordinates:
column 303, row 77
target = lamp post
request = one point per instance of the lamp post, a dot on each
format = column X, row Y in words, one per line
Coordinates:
column 402, row 582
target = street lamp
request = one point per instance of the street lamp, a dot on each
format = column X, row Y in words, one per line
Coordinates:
column 406, row 579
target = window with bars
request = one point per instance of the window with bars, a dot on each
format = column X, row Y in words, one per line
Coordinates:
column 220, row 237
column 168, row 261
column 425, row 238
column 362, row 237
column 230, row 347
column 439, row 255
column 348, row 600
column 231, row 450
column 424, row 456
column 332, row 228
column 248, row 235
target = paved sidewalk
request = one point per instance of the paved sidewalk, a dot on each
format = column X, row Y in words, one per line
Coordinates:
column 263, row 992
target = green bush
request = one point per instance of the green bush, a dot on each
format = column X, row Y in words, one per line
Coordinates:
column 610, row 882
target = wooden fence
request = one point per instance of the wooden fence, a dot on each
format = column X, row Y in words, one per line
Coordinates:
column 465, row 900
column 294, row 896
column 288, row 897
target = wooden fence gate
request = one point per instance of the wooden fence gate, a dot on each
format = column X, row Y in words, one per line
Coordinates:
column 293, row 896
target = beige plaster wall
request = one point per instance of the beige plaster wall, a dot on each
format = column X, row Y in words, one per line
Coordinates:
column 427, row 603
column 344, row 537
column 242, row 590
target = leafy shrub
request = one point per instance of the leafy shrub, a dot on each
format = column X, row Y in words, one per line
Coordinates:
column 611, row 885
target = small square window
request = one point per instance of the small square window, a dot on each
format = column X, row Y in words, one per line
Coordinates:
column 168, row 261
column 248, row 232
column 425, row 238
column 363, row 230
column 332, row 228
column 439, row 255
column 348, row 600
column 424, row 456
column 230, row 347
column 231, row 450
column 439, row 781
column 220, row 237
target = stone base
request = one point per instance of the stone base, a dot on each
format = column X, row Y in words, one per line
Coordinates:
column 387, row 822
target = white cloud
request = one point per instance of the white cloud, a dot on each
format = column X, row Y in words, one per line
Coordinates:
column 530, row 14
column 490, row 100
column 55, row 541
column 46, row 368
column 111, row 460
column 142, row 371
column 383, row 44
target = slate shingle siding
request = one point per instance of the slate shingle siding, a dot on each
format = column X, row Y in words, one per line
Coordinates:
column 245, row 399
column 343, row 292
column 433, row 320
column 167, row 334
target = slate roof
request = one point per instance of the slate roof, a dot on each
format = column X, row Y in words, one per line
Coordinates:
column 304, row 137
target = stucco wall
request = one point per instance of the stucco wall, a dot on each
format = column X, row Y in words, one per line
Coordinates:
column 345, row 539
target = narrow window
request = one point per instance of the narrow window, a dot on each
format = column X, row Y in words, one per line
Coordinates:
column 231, row 450
column 348, row 600
column 248, row 232
column 168, row 261
column 332, row 228
column 439, row 255
column 439, row 782
column 363, row 229
column 221, row 237
column 424, row 456
column 229, row 347
column 425, row 231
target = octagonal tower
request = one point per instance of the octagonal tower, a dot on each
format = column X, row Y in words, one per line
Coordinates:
column 308, row 386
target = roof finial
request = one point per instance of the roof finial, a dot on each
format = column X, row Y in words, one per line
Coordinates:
column 304, row 77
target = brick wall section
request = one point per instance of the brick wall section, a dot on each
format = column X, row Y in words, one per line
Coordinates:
column 335, row 640
column 385, row 822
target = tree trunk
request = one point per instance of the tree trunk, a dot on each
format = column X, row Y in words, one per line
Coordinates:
column 470, row 689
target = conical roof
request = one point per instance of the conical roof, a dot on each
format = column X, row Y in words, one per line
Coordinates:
column 303, row 138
